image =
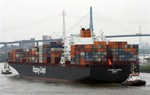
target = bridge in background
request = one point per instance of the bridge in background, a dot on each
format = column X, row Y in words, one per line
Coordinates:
column 52, row 40
column 109, row 36
column 131, row 35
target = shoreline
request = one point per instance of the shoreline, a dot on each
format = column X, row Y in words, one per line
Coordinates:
column 145, row 68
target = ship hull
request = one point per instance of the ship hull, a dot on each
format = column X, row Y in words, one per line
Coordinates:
column 73, row 73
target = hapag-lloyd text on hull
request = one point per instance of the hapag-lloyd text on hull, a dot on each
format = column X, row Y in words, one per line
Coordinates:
column 39, row 70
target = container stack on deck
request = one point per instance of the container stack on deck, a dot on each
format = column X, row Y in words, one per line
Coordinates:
column 99, row 52
column 133, row 51
column 34, row 55
column 121, row 51
column 83, row 54
column 40, row 54
column 56, row 51
column 17, row 55
column 89, row 53
column 115, row 50
column 48, row 53
column 27, row 55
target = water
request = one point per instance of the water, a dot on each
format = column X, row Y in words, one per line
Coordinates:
column 13, row 85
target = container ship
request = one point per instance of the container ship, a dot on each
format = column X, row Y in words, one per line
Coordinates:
column 82, row 57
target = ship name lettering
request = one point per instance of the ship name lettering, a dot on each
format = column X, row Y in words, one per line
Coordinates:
column 114, row 70
column 39, row 70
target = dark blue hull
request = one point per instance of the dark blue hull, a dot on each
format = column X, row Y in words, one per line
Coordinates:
column 73, row 73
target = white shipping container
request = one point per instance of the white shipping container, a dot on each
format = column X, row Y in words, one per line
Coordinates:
column 17, row 55
column 40, row 55
column 34, row 49
column 33, row 58
column 40, row 51
column 56, row 49
column 82, row 53
column 40, row 61
column 27, row 50
column 40, row 58
column 36, row 53
column 135, row 56
column 72, row 62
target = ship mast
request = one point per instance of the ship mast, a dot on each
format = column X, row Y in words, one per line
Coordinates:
column 64, row 54
column 64, row 27
column 91, row 20
column 91, row 24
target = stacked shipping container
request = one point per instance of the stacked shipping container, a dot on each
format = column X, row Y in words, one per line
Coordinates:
column 56, row 52
column 46, row 53
column 40, row 54
column 27, row 55
column 49, row 53
column 85, row 54
column 34, row 55
column 31, row 55
column 89, row 53
column 17, row 55
column 99, row 50
column 121, row 51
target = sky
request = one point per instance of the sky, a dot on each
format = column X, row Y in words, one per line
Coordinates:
column 25, row 19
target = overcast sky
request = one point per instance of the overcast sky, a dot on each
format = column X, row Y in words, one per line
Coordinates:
column 25, row 19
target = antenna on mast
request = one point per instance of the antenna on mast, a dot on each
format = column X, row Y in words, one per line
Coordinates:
column 91, row 20
column 64, row 27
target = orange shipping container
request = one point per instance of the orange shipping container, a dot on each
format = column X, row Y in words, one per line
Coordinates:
column 73, row 47
column 112, row 46
column 72, row 56
column 88, row 50
column 88, row 46
column 122, row 46
column 44, row 61
column 72, row 53
column 85, row 33
column 112, row 43
column 99, row 43
column 133, row 49
column 135, row 53
column 126, row 49
column 101, row 50
column 55, row 55
column 82, row 61
column 77, row 52
column 122, row 43
column 44, row 55
column 33, row 52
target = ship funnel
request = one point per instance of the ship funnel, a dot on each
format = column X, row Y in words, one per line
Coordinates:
column 91, row 20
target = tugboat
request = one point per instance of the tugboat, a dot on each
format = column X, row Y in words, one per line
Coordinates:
column 6, row 69
column 134, row 78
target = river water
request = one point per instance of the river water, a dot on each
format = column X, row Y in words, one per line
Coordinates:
column 14, row 85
